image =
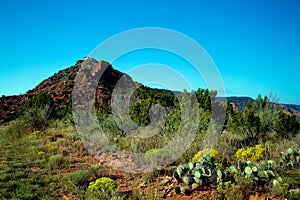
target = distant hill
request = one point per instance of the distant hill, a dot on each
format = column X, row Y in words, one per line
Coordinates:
column 241, row 102
column 60, row 87
column 291, row 108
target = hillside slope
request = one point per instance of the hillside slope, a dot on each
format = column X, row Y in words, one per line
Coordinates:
column 61, row 84
column 60, row 87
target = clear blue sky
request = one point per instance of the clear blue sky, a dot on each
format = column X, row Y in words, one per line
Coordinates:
column 254, row 43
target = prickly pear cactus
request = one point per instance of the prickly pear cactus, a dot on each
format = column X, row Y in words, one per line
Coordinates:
column 204, row 172
column 290, row 158
column 261, row 173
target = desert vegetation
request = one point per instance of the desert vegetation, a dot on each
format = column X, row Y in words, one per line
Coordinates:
column 256, row 155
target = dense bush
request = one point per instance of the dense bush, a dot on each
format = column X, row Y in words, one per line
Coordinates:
column 258, row 119
column 286, row 125
column 37, row 111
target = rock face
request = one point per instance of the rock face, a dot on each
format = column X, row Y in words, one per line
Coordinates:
column 95, row 81
column 61, row 84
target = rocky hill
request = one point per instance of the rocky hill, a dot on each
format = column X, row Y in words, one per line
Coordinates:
column 241, row 102
column 292, row 109
column 60, row 87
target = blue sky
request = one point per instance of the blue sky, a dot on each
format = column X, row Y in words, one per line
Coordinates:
column 255, row 44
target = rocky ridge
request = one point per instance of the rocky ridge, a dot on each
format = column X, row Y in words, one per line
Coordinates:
column 60, row 87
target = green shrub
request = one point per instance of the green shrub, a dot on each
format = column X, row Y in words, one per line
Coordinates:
column 247, row 185
column 66, row 184
column 41, row 154
column 38, row 111
column 62, row 141
column 80, row 177
column 16, row 129
column 56, row 162
column 286, row 125
column 51, row 148
column 228, row 190
column 81, row 150
column 102, row 188
column 109, row 126
column 34, row 138
column 280, row 187
column 36, row 118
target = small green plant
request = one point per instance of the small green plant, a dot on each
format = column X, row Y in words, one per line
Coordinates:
column 62, row 142
column 294, row 194
column 52, row 147
column 80, row 177
column 37, row 133
column 41, row 154
column 56, row 162
column 251, row 153
column 81, row 150
column 280, row 187
column 228, row 190
column 103, row 188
